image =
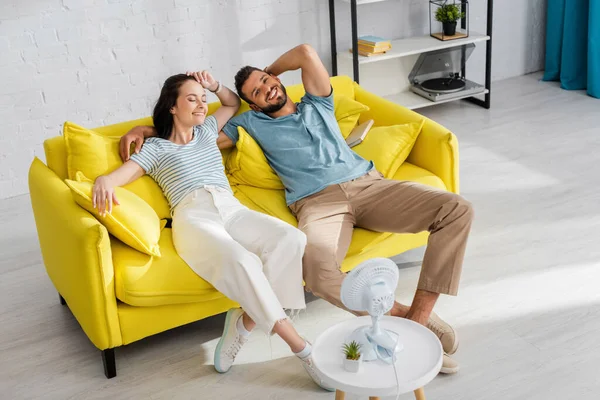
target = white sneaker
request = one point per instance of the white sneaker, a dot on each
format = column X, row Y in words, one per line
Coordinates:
column 307, row 363
column 230, row 343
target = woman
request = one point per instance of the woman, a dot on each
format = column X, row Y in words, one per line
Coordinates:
column 252, row 258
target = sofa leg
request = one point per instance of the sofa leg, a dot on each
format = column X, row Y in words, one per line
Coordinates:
column 62, row 301
column 108, row 359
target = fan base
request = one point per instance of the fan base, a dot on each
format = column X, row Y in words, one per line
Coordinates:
column 369, row 347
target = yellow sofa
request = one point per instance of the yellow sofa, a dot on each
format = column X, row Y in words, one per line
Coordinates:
column 119, row 295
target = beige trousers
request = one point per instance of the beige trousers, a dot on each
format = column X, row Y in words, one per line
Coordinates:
column 372, row 202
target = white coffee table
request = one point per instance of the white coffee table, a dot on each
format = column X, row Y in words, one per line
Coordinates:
column 416, row 365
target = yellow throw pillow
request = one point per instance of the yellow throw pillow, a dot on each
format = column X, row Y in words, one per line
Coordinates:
column 133, row 222
column 389, row 146
column 96, row 155
column 247, row 164
column 347, row 112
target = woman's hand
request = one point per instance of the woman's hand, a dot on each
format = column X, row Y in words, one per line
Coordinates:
column 205, row 79
column 103, row 195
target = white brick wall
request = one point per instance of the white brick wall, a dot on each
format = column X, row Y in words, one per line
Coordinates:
column 99, row 62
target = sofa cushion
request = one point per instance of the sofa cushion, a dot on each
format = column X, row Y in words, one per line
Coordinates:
column 133, row 221
column 56, row 156
column 90, row 153
column 267, row 201
column 389, row 146
column 142, row 280
column 272, row 202
column 347, row 112
column 247, row 164
column 410, row 172
column 94, row 155
column 121, row 128
column 342, row 85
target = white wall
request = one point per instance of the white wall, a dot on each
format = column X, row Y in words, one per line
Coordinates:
column 99, row 62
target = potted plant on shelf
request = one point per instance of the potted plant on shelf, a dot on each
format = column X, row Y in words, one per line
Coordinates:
column 353, row 357
column 448, row 14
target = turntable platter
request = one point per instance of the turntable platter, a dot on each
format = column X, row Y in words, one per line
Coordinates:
column 443, row 85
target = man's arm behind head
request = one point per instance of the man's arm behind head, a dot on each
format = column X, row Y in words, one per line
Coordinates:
column 315, row 77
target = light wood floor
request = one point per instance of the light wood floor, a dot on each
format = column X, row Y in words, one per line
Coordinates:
column 528, row 311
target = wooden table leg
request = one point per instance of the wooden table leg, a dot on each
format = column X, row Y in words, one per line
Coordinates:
column 339, row 395
column 420, row 394
column 373, row 398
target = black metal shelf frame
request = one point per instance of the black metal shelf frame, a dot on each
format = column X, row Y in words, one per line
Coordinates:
column 353, row 16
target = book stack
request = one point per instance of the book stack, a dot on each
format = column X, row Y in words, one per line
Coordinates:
column 372, row 45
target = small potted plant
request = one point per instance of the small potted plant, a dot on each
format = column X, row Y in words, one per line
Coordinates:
column 448, row 14
column 353, row 357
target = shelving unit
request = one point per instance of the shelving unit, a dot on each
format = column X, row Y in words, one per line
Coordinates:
column 387, row 74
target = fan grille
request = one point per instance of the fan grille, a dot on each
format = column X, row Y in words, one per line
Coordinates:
column 371, row 272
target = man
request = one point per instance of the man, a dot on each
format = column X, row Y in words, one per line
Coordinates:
column 330, row 189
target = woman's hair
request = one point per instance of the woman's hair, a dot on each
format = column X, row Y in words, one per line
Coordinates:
column 163, row 119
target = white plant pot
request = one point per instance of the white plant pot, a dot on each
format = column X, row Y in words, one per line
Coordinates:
column 353, row 365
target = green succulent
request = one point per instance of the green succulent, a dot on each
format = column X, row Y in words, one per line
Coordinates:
column 449, row 13
column 351, row 350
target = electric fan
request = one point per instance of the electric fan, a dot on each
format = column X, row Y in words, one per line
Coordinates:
column 370, row 287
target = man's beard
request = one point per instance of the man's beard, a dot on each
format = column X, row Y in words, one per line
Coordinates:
column 273, row 108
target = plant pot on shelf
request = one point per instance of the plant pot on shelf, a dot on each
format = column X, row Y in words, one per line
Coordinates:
column 449, row 28
column 353, row 365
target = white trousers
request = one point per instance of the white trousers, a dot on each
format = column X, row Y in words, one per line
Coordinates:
column 250, row 257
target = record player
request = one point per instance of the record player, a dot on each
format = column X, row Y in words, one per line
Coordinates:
column 437, row 75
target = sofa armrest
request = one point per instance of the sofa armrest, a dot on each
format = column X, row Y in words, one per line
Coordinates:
column 76, row 252
column 436, row 148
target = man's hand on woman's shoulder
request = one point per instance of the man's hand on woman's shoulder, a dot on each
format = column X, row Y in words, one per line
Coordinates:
column 135, row 135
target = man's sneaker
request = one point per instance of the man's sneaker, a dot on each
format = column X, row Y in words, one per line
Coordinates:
column 230, row 343
column 444, row 332
column 449, row 366
column 309, row 367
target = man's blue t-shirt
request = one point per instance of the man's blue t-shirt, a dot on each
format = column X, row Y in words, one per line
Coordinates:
column 306, row 149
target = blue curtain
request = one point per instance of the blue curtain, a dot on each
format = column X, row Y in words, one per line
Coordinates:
column 573, row 44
